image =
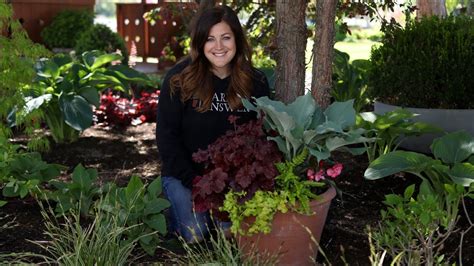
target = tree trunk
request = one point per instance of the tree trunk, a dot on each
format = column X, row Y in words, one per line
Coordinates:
column 323, row 52
column 291, row 45
column 431, row 8
column 205, row 4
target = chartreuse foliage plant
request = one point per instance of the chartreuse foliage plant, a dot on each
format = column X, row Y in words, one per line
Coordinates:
column 265, row 204
column 66, row 88
column 241, row 160
column 389, row 130
column 414, row 226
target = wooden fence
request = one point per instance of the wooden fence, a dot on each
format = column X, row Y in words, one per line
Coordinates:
column 37, row 14
column 151, row 38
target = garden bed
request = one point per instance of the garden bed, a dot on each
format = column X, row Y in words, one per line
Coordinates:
column 117, row 154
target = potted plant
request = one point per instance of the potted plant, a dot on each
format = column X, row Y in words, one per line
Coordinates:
column 424, row 67
column 298, row 188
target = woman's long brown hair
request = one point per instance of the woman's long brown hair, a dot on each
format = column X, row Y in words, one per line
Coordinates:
column 195, row 81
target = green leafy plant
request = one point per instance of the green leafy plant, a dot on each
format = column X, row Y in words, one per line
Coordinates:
column 139, row 207
column 79, row 194
column 66, row 27
column 444, row 179
column 426, row 64
column 414, row 229
column 22, row 173
column 102, row 38
column 66, row 88
column 389, row 130
column 350, row 80
column 18, row 54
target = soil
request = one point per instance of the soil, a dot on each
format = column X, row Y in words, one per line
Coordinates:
column 118, row 154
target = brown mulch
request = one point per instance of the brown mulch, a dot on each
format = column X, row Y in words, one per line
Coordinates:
column 119, row 154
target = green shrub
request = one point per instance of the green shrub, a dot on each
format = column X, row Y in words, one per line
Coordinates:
column 66, row 28
column 427, row 64
column 100, row 37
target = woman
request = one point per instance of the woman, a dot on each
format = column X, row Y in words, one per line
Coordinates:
column 197, row 97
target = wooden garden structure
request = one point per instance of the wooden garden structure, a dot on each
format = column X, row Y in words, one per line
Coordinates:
column 150, row 38
column 37, row 14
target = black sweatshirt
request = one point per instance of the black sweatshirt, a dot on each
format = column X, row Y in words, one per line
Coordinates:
column 181, row 130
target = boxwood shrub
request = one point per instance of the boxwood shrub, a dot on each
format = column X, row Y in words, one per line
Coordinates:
column 428, row 64
column 100, row 37
column 66, row 27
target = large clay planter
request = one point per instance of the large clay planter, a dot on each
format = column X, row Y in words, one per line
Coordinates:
column 290, row 239
column 449, row 120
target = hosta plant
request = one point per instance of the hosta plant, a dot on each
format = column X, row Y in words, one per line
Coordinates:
column 66, row 88
column 389, row 130
column 350, row 80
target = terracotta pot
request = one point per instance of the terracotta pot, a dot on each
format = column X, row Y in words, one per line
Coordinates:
column 290, row 239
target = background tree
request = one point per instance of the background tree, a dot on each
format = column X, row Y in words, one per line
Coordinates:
column 431, row 8
column 323, row 51
column 291, row 45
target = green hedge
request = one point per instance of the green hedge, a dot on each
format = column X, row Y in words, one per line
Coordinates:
column 100, row 37
column 428, row 64
column 66, row 27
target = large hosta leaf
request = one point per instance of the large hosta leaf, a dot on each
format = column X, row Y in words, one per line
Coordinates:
column 342, row 113
column 462, row 173
column 76, row 110
column 302, row 110
column 104, row 59
column 35, row 103
column 91, row 95
column 398, row 161
column 454, row 147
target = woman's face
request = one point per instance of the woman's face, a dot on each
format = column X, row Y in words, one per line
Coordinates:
column 220, row 49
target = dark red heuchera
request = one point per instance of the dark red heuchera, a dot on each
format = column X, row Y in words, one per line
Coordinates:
column 242, row 160
column 121, row 112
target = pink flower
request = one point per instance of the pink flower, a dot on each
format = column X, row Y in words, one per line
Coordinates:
column 319, row 175
column 315, row 176
column 335, row 171
column 310, row 174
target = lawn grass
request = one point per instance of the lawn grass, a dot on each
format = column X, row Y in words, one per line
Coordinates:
column 356, row 50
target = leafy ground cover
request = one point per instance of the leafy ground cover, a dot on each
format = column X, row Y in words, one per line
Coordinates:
column 117, row 154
